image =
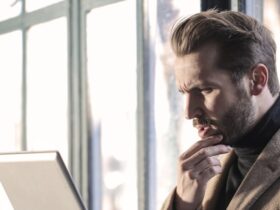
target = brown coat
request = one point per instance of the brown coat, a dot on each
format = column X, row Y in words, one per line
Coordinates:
column 260, row 189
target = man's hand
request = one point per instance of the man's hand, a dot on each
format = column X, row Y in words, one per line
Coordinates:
column 196, row 167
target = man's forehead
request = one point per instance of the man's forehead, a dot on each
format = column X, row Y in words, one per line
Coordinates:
column 187, row 62
column 193, row 71
column 192, row 66
column 206, row 55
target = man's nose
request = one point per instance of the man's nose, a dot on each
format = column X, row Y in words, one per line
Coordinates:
column 192, row 107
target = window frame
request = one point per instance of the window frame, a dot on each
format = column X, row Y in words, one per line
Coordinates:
column 80, row 166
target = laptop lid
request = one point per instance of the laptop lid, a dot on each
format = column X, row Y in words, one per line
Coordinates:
column 37, row 181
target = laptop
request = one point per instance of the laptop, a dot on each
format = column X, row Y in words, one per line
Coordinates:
column 36, row 181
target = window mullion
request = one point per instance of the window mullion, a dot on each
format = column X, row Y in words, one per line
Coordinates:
column 39, row 16
column 78, row 140
column 23, row 140
column 145, row 113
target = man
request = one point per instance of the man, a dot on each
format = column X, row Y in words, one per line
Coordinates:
column 225, row 68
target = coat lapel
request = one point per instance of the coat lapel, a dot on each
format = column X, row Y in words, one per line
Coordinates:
column 214, row 186
column 264, row 172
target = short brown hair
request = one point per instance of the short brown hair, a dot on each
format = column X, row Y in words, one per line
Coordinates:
column 242, row 42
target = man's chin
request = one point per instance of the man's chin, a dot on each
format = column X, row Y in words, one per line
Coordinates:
column 206, row 133
column 224, row 141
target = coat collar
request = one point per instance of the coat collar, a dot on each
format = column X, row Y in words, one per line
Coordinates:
column 214, row 186
column 264, row 172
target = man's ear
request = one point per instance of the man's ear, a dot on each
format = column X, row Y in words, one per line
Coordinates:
column 258, row 79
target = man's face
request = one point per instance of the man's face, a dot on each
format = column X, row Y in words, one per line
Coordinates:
column 213, row 101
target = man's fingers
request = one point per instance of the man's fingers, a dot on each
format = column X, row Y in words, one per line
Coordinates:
column 203, row 165
column 206, row 163
column 210, row 141
column 208, row 173
column 203, row 157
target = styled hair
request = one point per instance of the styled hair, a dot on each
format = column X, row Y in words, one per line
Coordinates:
column 241, row 40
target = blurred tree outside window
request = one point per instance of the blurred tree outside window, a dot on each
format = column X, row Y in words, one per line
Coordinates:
column 174, row 133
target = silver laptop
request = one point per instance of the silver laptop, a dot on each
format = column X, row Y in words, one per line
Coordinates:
column 36, row 181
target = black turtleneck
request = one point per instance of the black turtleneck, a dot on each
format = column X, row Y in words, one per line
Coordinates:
column 248, row 149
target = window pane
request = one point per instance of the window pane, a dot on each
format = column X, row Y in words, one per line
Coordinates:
column 47, row 87
column 9, row 8
column 271, row 19
column 32, row 5
column 174, row 133
column 10, row 91
column 112, row 82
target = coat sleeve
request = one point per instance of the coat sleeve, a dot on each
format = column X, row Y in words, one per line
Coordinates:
column 169, row 202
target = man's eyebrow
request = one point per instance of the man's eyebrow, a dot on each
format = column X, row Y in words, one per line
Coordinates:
column 188, row 87
column 187, row 90
column 191, row 87
column 181, row 91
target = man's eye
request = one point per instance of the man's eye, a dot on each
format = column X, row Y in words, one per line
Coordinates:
column 206, row 90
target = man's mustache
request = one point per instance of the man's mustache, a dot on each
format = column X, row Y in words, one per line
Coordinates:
column 203, row 122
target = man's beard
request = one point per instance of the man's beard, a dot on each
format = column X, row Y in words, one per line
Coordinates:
column 238, row 120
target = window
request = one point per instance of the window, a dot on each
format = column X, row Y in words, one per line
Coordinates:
column 271, row 20
column 34, row 113
column 46, row 78
column 93, row 79
column 10, row 91
column 32, row 5
column 174, row 134
column 9, row 9
column 111, row 36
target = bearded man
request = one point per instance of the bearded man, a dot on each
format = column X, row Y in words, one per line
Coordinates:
column 225, row 68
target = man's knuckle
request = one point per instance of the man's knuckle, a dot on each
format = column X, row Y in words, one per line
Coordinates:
column 180, row 167
column 182, row 156
column 183, row 167
column 191, row 174
column 213, row 170
column 197, row 144
column 209, row 161
column 203, row 152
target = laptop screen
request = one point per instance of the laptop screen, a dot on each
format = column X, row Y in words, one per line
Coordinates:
column 37, row 181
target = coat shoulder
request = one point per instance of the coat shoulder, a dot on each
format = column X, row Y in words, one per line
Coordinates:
column 169, row 201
